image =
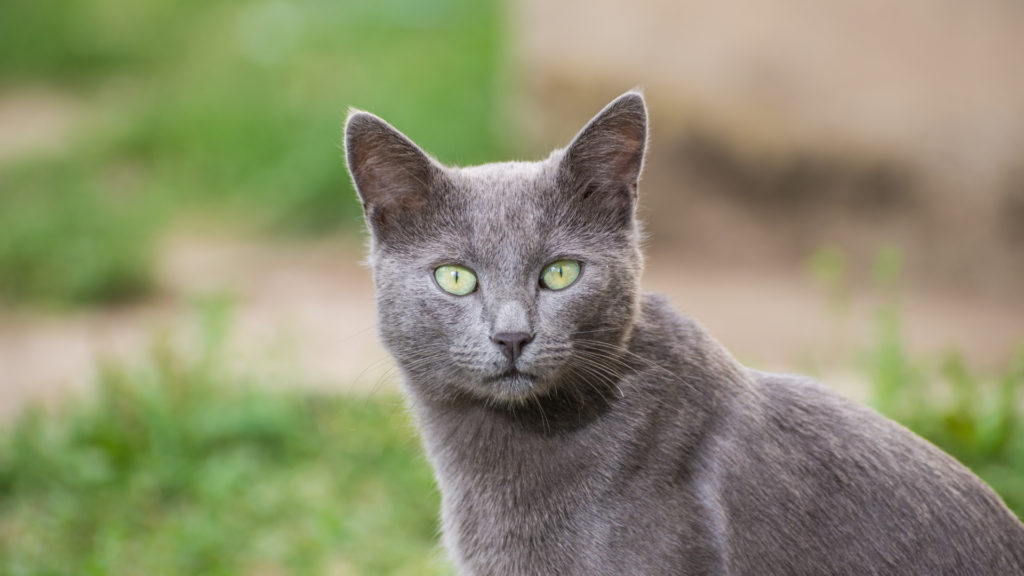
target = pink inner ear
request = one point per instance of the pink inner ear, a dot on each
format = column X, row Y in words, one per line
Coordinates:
column 627, row 163
column 390, row 184
column 619, row 163
column 629, row 153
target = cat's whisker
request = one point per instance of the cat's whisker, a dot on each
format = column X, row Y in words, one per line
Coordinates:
column 596, row 386
column 647, row 362
column 613, row 377
column 603, row 357
column 543, row 416
column 613, row 374
column 611, row 329
column 373, row 365
column 384, row 379
column 609, row 360
column 596, row 374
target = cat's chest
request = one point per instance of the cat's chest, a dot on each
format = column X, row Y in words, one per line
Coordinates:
column 518, row 499
column 564, row 523
column 518, row 520
column 530, row 507
column 583, row 503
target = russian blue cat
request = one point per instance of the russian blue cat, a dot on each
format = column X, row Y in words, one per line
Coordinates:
column 580, row 426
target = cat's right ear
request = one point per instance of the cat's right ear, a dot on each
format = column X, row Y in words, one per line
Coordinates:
column 392, row 175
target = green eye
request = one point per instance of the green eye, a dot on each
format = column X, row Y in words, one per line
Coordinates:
column 455, row 279
column 561, row 274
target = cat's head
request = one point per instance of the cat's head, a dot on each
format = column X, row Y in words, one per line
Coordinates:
column 505, row 281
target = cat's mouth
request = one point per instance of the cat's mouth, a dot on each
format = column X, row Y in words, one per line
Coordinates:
column 512, row 383
column 513, row 373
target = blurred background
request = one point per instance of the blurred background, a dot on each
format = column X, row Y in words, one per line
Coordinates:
column 190, row 380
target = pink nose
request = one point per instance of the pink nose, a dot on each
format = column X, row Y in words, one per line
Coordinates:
column 512, row 343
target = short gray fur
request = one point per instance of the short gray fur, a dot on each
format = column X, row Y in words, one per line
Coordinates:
column 627, row 440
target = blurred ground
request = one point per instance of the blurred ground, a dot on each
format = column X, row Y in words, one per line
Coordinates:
column 34, row 122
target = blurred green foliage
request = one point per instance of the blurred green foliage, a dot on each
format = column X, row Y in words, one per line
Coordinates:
column 183, row 468
column 978, row 419
column 229, row 107
column 63, row 236
column 828, row 267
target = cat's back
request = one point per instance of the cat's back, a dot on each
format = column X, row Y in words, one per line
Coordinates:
column 808, row 482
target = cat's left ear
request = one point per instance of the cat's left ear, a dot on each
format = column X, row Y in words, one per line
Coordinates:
column 601, row 167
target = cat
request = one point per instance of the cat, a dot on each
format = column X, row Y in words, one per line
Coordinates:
column 577, row 425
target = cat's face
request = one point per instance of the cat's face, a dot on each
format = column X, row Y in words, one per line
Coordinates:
column 504, row 281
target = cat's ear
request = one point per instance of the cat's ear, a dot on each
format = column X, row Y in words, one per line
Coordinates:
column 602, row 165
column 392, row 175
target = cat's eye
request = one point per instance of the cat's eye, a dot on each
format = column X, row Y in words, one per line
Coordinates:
column 560, row 274
column 455, row 279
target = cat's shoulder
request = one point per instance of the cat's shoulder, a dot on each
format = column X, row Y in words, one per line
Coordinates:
column 659, row 319
column 802, row 408
column 853, row 440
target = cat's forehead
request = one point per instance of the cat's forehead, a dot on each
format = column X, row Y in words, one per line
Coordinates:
column 505, row 194
column 502, row 182
column 504, row 207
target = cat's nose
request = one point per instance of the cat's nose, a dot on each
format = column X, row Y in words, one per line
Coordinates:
column 512, row 343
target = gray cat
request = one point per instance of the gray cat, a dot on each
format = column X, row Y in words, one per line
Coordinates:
column 580, row 426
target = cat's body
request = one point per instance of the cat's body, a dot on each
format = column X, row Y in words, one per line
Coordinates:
column 618, row 437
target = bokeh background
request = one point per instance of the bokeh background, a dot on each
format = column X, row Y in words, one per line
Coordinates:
column 190, row 380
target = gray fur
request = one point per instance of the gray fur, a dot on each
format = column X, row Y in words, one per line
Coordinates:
column 629, row 441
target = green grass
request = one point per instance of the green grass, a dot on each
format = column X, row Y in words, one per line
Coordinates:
column 229, row 108
column 182, row 468
column 67, row 238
